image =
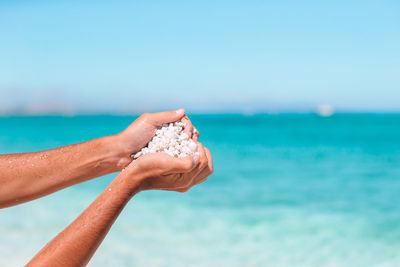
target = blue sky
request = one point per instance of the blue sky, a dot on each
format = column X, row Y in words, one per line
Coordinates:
column 206, row 56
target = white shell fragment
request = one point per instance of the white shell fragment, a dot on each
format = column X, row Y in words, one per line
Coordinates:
column 171, row 139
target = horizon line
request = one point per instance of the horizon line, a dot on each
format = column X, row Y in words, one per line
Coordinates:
column 198, row 112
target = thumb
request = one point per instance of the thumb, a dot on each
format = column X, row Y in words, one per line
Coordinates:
column 167, row 116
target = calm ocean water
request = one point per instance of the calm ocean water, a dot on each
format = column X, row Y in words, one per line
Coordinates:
column 288, row 190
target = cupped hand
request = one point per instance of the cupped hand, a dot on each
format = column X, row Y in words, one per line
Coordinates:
column 160, row 171
column 143, row 129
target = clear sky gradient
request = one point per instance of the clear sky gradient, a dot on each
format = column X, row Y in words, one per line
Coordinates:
column 206, row 56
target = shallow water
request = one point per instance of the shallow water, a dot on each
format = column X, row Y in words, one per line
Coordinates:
column 288, row 190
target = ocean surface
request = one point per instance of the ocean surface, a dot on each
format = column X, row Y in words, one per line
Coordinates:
column 288, row 190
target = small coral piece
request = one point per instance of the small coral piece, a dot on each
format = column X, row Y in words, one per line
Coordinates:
column 171, row 139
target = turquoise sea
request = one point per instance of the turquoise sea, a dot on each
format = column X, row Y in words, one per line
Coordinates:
column 288, row 190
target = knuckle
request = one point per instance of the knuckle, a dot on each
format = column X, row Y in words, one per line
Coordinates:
column 145, row 116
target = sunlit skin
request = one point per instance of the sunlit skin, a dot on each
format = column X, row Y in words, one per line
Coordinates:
column 29, row 176
column 78, row 242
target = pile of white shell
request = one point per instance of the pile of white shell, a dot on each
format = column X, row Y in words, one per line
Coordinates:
column 170, row 139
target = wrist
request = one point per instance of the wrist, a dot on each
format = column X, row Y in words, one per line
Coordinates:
column 116, row 153
column 131, row 180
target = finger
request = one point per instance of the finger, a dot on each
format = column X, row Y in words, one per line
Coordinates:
column 199, row 174
column 183, row 165
column 203, row 162
column 180, row 190
column 198, row 179
column 202, row 177
column 210, row 161
column 203, row 156
column 194, row 172
column 206, row 171
column 188, row 126
column 196, row 134
column 157, row 119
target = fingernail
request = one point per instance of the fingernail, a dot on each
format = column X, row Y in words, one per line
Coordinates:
column 180, row 111
column 196, row 158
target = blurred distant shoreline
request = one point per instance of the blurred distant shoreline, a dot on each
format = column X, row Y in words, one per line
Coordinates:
column 199, row 113
column 322, row 110
column 67, row 109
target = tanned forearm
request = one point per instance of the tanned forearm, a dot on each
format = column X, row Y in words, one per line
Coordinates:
column 27, row 176
column 77, row 243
